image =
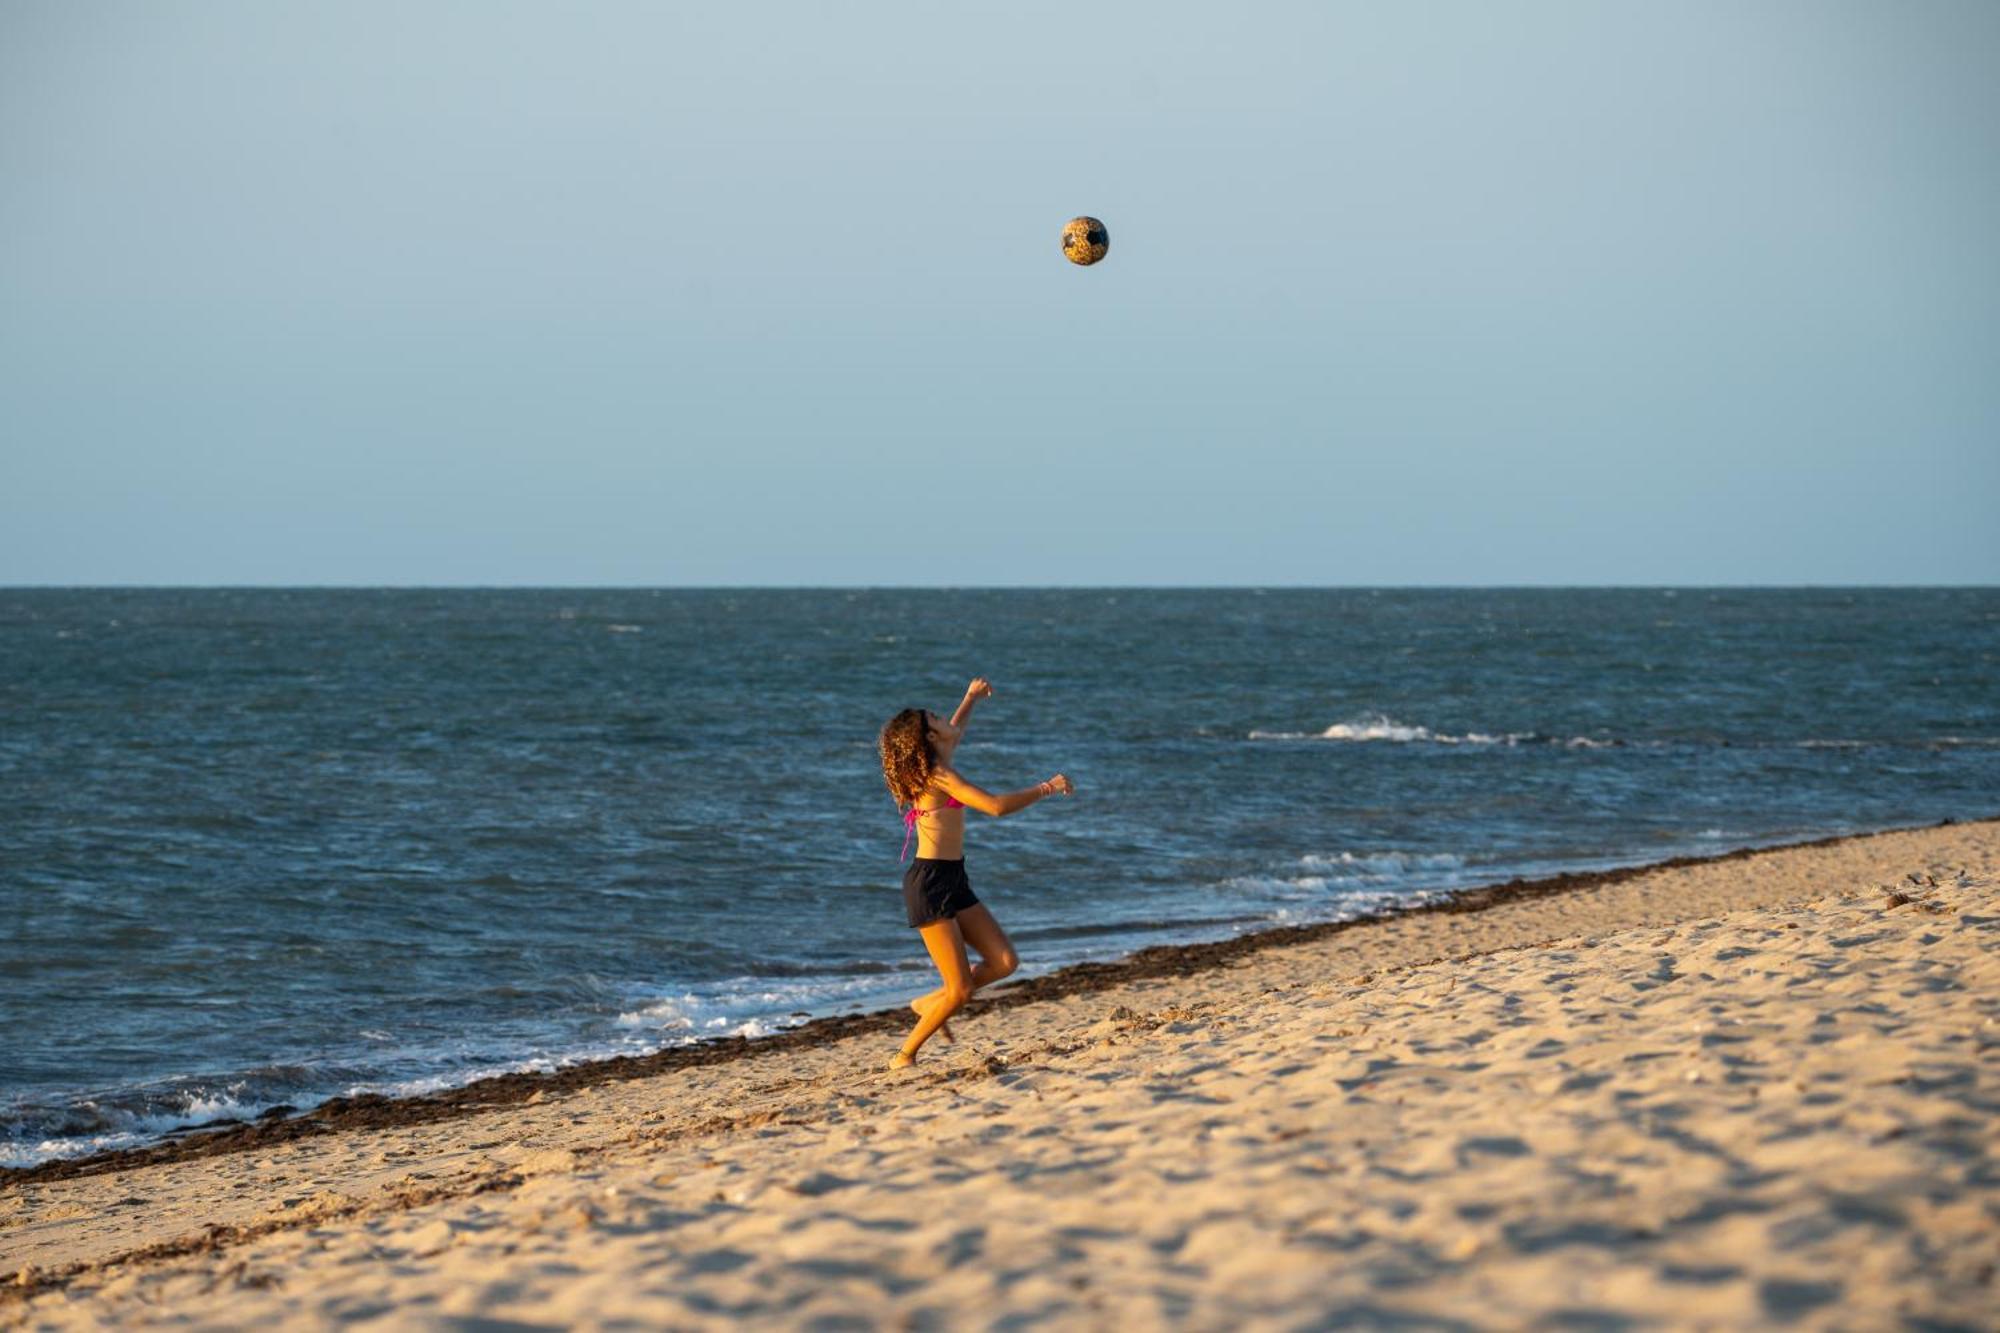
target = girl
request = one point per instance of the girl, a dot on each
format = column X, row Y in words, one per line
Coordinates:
column 916, row 760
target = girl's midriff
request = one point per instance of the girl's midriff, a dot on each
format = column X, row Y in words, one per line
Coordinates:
column 941, row 832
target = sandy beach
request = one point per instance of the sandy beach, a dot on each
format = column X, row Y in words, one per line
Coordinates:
column 1749, row 1092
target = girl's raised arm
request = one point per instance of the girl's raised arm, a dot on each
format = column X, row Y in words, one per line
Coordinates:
column 1006, row 803
column 977, row 690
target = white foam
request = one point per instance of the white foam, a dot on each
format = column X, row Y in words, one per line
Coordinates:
column 1377, row 728
column 661, row 1015
column 1292, row 886
column 129, row 1129
column 749, row 1027
column 1383, row 865
column 1381, row 727
column 20, row 1153
column 1304, row 898
column 657, row 1023
column 458, row 1078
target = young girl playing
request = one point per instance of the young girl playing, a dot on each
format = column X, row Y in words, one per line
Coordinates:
column 916, row 760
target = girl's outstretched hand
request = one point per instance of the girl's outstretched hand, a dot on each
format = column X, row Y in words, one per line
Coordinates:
column 980, row 688
column 1059, row 783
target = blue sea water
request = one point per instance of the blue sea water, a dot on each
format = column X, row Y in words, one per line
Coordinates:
column 263, row 847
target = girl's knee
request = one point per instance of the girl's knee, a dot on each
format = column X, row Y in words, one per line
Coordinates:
column 953, row 996
column 1004, row 962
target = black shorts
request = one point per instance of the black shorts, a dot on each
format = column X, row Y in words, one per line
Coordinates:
column 934, row 890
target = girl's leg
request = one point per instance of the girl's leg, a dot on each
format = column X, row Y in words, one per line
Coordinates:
column 947, row 950
column 997, row 958
column 922, row 1006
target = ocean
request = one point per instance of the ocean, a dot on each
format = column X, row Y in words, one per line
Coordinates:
column 263, row 847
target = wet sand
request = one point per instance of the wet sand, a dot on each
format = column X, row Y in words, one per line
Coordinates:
column 1749, row 1091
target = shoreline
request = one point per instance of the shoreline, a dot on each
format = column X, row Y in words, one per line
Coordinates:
column 375, row 1111
column 1751, row 1090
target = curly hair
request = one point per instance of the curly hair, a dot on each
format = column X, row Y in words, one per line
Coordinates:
column 907, row 756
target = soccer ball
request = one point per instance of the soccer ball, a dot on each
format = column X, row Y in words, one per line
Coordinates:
column 1085, row 241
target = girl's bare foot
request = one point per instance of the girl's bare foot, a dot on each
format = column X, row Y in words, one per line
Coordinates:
column 944, row 1031
column 902, row 1061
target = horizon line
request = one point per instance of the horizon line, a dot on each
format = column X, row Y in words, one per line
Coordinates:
column 993, row 587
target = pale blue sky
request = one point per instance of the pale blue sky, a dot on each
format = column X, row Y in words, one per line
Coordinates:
column 484, row 293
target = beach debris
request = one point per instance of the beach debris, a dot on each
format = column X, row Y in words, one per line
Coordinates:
column 1119, row 1022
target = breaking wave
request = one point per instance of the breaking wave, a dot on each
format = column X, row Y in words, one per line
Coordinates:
column 1381, row 728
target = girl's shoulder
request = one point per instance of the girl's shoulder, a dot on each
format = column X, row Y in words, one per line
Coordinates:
column 939, row 786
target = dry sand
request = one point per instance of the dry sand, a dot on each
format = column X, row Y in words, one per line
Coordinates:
column 1753, row 1092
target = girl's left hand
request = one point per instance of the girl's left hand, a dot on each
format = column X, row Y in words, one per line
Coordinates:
column 979, row 689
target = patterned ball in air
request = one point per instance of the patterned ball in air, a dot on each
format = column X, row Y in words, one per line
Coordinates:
column 1085, row 241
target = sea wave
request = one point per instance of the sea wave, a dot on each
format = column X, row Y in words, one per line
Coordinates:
column 41, row 1128
column 1380, row 727
column 32, row 1135
column 1382, row 865
column 1299, row 899
column 660, row 1016
column 33, row 1131
column 1343, row 884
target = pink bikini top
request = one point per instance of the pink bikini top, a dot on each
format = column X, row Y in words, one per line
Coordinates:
column 912, row 815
